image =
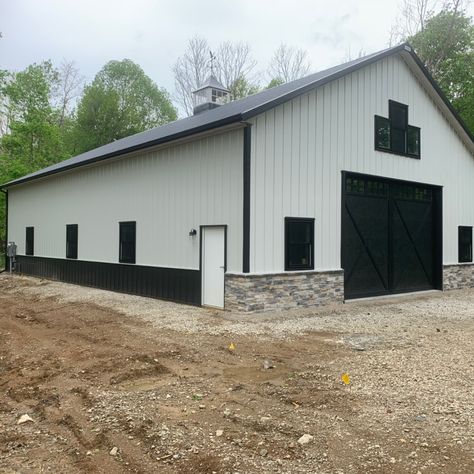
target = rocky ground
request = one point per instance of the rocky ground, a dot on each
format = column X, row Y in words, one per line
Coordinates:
column 115, row 383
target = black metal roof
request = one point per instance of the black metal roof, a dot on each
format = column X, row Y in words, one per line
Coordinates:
column 237, row 111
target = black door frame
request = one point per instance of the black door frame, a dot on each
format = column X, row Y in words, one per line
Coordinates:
column 437, row 219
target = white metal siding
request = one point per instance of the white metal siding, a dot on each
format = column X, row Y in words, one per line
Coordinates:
column 167, row 192
column 300, row 148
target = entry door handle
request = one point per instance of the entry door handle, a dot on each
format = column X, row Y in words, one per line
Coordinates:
column 222, row 266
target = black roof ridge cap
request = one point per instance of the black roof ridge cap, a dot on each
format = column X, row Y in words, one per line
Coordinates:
column 324, row 80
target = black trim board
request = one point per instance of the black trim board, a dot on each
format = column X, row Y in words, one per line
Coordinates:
column 246, row 200
column 175, row 284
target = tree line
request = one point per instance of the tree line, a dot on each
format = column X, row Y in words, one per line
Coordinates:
column 48, row 113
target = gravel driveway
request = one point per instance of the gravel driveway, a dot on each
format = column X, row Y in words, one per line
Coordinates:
column 409, row 406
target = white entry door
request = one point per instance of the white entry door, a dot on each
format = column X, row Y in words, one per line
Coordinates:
column 213, row 266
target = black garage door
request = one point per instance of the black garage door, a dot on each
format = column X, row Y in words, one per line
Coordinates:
column 391, row 236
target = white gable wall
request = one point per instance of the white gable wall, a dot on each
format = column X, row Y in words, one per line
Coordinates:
column 167, row 192
column 300, row 148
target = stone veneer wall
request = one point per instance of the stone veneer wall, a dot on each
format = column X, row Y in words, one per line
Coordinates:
column 252, row 293
column 458, row 276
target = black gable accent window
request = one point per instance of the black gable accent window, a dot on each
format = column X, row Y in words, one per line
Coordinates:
column 394, row 135
column 398, row 114
column 128, row 232
column 413, row 141
column 382, row 133
column 465, row 244
column 30, row 241
column 71, row 240
column 299, row 243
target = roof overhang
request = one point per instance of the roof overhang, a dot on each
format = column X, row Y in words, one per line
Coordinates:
column 243, row 114
column 195, row 133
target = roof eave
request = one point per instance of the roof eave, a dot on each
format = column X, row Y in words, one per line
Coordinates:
column 409, row 49
column 124, row 151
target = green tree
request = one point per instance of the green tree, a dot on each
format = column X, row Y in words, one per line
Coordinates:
column 241, row 88
column 32, row 140
column 122, row 100
column 276, row 81
column 30, row 137
column 446, row 46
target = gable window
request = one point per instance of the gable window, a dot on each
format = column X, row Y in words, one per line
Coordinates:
column 299, row 243
column 394, row 135
column 398, row 114
column 71, row 240
column 30, row 241
column 413, row 141
column 465, row 244
column 127, row 242
column 382, row 133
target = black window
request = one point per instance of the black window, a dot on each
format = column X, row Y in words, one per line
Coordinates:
column 71, row 240
column 299, row 243
column 465, row 244
column 398, row 114
column 382, row 132
column 30, row 241
column 393, row 134
column 413, row 141
column 127, row 242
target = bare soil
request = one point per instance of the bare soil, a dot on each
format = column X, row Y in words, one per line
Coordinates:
column 94, row 377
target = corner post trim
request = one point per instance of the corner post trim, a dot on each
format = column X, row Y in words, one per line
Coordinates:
column 246, row 200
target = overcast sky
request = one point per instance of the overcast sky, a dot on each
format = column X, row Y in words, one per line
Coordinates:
column 153, row 33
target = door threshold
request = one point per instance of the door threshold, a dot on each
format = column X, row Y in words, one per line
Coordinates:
column 393, row 296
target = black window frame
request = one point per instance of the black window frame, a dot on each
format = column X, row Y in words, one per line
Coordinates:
column 72, row 239
column 29, row 240
column 414, row 155
column 461, row 253
column 404, row 129
column 397, row 108
column 379, row 118
column 288, row 222
column 131, row 259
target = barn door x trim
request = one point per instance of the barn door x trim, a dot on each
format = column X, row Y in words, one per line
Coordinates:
column 391, row 235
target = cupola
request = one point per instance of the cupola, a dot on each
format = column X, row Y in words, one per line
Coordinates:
column 210, row 95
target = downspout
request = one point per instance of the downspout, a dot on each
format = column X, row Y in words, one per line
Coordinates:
column 5, row 191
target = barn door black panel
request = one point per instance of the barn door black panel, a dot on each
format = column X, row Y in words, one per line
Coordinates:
column 365, row 251
column 413, row 240
column 389, row 233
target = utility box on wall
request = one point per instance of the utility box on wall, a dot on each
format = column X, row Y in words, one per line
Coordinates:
column 11, row 256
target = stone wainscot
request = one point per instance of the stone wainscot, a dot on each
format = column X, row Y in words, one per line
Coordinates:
column 456, row 277
column 282, row 291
